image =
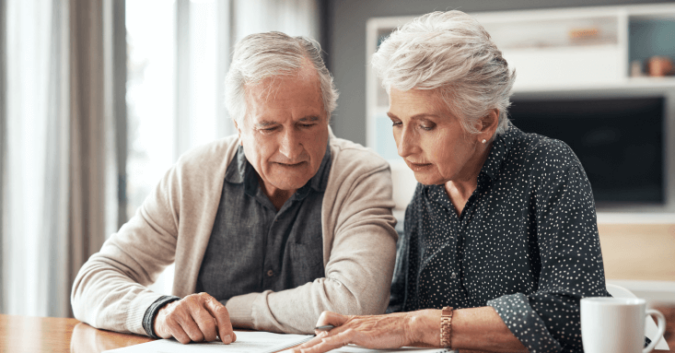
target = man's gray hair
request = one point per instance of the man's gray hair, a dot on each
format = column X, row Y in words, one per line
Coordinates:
column 452, row 52
column 263, row 55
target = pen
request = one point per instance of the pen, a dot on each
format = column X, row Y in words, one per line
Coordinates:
column 324, row 328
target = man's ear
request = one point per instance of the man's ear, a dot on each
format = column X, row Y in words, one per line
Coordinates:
column 236, row 126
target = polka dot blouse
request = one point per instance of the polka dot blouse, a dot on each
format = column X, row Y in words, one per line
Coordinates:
column 525, row 244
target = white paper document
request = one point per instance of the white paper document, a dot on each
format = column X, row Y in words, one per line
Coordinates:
column 247, row 342
column 255, row 342
column 356, row 349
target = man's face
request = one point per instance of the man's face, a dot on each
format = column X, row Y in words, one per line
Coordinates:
column 285, row 131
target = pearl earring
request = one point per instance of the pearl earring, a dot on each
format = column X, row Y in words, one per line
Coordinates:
column 484, row 141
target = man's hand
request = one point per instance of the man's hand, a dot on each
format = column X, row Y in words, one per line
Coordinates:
column 197, row 317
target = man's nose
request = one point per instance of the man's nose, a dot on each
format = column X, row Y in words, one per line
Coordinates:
column 291, row 144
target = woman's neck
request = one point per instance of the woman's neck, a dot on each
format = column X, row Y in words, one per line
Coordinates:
column 461, row 188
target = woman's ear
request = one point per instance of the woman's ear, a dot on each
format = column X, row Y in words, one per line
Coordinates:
column 488, row 125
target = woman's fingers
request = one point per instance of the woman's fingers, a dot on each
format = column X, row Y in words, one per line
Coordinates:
column 330, row 318
column 324, row 342
column 313, row 342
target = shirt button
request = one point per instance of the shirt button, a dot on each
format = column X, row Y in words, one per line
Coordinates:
column 270, row 273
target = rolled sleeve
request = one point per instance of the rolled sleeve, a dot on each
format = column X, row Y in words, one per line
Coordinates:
column 525, row 323
column 151, row 313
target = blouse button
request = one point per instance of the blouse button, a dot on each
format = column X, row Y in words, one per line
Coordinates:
column 270, row 273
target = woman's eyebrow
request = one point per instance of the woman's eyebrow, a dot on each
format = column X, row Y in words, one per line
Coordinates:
column 419, row 116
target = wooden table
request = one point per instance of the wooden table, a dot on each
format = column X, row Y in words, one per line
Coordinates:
column 25, row 334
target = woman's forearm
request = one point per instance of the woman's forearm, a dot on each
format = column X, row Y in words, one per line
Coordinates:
column 476, row 329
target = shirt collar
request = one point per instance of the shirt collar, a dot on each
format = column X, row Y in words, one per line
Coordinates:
column 241, row 171
column 500, row 149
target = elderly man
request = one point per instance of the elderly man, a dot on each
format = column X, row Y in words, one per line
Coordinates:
column 272, row 226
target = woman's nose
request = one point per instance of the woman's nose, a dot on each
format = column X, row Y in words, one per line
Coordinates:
column 404, row 143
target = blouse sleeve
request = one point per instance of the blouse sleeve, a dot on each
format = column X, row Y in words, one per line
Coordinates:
column 547, row 320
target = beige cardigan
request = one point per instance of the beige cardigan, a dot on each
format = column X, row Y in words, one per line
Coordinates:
column 175, row 222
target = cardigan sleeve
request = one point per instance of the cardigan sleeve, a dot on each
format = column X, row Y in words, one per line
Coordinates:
column 359, row 230
column 110, row 291
column 548, row 320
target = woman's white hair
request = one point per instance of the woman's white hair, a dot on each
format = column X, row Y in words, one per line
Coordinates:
column 452, row 52
column 263, row 55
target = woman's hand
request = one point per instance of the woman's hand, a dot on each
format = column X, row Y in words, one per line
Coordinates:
column 376, row 331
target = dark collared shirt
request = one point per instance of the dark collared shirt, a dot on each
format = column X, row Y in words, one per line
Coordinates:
column 526, row 243
column 253, row 247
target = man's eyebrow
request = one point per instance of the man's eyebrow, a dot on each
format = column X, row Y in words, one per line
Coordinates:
column 264, row 123
column 308, row 119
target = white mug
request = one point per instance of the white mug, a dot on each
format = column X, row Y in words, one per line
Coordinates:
column 616, row 325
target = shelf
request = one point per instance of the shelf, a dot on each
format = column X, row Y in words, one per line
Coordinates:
column 633, row 83
column 636, row 217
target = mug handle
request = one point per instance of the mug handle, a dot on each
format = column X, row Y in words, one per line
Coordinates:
column 662, row 328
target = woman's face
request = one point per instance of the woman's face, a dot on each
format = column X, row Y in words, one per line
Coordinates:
column 431, row 139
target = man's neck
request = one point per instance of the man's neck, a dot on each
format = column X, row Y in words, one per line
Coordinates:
column 277, row 196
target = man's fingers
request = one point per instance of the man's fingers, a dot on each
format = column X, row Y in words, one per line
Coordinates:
column 180, row 336
column 219, row 312
column 190, row 327
column 205, row 322
column 175, row 330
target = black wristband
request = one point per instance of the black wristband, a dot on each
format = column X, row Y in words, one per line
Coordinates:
column 152, row 311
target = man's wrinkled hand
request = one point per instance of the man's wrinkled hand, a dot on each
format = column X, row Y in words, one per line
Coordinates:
column 195, row 318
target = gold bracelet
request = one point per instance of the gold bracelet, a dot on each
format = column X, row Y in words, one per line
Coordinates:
column 446, row 327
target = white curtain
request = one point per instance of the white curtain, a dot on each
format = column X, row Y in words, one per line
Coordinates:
column 293, row 17
column 35, row 204
column 57, row 155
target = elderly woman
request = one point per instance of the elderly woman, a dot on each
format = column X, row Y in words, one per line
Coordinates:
column 501, row 238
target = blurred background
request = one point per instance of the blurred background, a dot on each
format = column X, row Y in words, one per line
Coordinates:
column 98, row 98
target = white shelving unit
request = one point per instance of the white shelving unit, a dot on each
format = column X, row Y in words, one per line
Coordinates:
column 556, row 52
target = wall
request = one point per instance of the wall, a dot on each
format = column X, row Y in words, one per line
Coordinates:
column 344, row 41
